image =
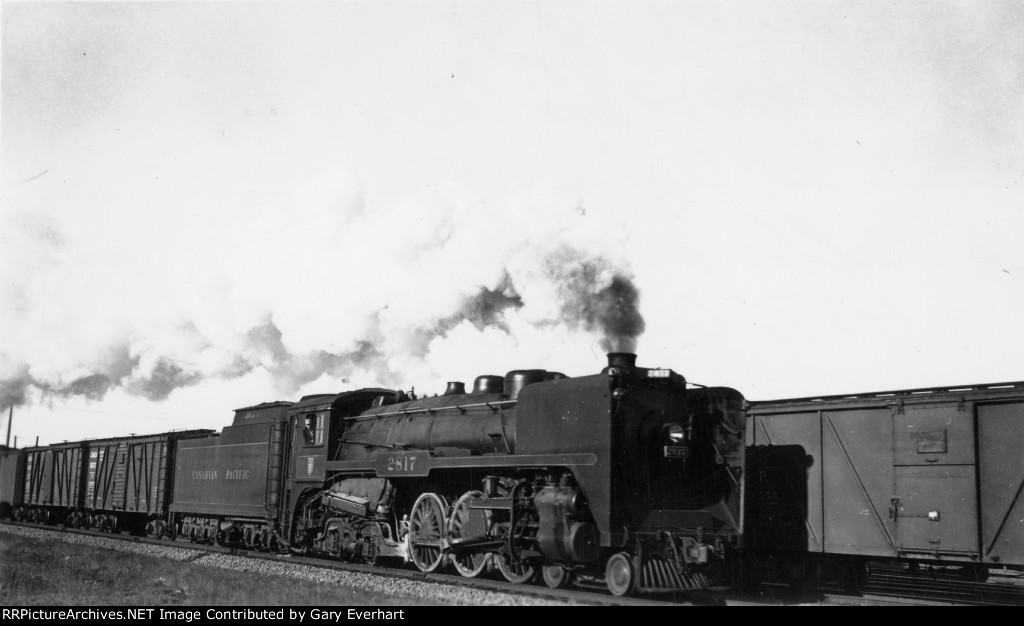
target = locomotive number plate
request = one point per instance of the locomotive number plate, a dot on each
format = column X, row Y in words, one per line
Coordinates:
column 677, row 452
column 403, row 463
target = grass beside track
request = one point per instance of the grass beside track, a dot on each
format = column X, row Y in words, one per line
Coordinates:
column 35, row 572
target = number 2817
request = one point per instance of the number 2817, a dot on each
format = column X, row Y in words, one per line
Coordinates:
column 402, row 463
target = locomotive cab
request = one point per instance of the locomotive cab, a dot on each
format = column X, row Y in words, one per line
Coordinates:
column 320, row 508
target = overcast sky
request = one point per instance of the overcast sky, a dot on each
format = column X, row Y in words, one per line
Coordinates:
column 210, row 205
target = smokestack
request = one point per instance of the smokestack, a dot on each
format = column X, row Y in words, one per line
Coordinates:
column 455, row 389
column 622, row 360
column 10, row 420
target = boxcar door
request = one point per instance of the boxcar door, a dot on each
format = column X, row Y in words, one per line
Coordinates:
column 142, row 475
column 120, row 476
column 935, row 491
column 1001, row 473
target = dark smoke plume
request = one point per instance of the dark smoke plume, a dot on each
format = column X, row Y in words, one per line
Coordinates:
column 92, row 387
column 109, row 372
column 166, row 377
column 598, row 298
column 14, row 389
column 295, row 370
column 615, row 311
column 484, row 309
column 487, row 307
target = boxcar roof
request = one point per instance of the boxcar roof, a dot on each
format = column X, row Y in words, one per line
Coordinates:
column 965, row 393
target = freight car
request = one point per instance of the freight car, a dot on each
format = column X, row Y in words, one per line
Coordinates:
column 108, row 484
column 932, row 477
column 12, row 466
column 54, row 476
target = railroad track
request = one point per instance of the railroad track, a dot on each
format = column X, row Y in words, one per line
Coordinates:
column 944, row 587
column 885, row 586
column 897, row 584
column 541, row 593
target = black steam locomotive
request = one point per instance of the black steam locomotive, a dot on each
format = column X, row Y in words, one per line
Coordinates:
column 630, row 476
column 626, row 475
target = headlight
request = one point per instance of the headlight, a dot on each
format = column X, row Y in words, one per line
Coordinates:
column 676, row 433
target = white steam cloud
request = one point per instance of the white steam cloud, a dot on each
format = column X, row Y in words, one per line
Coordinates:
column 319, row 286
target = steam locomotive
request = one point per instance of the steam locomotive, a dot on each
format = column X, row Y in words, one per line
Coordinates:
column 626, row 475
column 631, row 478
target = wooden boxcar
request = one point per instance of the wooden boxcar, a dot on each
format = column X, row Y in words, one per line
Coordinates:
column 12, row 479
column 925, row 475
column 54, row 477
column 130, row 479
column 103, row 483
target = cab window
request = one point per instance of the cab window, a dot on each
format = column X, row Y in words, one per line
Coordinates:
column 313, row 429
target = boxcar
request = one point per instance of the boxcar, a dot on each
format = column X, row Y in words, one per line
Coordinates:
column 103, row 483
column 130, row 479
column 54, row 478
column 12, row 479
column 926, row 475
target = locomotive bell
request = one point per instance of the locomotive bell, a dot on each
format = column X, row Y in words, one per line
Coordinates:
column 455, row 389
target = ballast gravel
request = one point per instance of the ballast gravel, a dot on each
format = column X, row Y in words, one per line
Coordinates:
column 436, row 592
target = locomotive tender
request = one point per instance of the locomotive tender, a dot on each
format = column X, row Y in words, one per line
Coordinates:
column 630, row 476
